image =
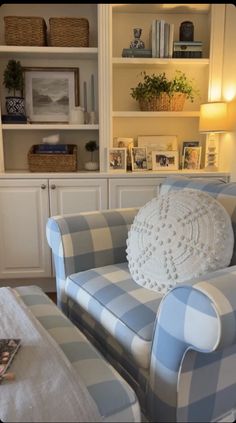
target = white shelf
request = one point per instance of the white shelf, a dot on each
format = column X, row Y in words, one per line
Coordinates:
column 138, row 114
column 50, row 126
column 161, row 8
column 49, row 52
column 136, row 61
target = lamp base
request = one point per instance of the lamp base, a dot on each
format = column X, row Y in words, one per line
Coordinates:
column 211, row 168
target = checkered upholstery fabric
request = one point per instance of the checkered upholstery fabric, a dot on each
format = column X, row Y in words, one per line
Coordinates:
column 115, row 400
column 126, row 310
column 200, row 316
column 188, row 335
column 87, row 240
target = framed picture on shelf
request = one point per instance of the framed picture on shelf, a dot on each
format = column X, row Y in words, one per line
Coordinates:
column 157, row 143
column 127, row 143
column 188, row 144
column 165, row 160
column 192, row 157
column 139, row 159
column 117, row 159
column 50, row 93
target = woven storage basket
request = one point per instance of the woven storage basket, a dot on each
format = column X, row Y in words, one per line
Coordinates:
column 53, row 162
column 164, row 103
column 69, row 32
column 25, row 31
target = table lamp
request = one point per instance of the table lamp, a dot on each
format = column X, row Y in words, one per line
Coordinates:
column 213, row 121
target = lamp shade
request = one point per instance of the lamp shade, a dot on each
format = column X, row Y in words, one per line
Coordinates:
column 214, row 117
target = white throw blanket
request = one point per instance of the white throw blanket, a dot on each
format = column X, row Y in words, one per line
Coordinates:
column 46, row 388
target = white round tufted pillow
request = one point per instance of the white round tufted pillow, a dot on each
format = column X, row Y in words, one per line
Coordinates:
column 177, row 237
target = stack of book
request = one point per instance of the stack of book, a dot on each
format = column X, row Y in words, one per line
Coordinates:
column 51, row 149
column 14, row 119
column 162, row 35
column 191, row 49
column 136, row 52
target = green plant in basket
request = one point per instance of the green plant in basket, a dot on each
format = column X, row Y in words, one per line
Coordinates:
column 157, row 92
column 181, row 84
column 151, row 86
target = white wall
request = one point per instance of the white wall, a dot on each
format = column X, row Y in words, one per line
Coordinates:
column 228, row 141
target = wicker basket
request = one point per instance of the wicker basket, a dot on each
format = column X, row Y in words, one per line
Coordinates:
column 164, row 103
column 69, row 32
column 53, row 162
column 25, row 31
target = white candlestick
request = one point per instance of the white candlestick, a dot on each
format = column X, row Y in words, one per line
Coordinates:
column 85, row 96
column 92, row 94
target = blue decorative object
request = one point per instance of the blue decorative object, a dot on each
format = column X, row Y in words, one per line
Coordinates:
column 137, row 43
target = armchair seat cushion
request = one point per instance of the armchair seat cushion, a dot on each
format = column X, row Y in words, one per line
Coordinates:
column 126, row 310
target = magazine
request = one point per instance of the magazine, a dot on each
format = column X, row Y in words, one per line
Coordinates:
column 8, row 350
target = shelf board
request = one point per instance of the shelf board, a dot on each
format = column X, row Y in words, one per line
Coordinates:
column 49, row 52
column 140, row 61
column 138, row 114
column 48, row 126
column 161, row 8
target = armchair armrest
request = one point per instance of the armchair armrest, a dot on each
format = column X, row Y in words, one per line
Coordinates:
column 87, row 240
column 198, row 315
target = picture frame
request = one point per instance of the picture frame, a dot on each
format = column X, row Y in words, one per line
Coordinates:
column 188, row 144
column 117, row 159
column 157, row 143
column 128, row 143
column 192, row 158
column 50, row 93
column 165, row 160
column 139, row 159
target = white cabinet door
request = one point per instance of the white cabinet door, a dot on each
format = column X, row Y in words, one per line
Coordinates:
column 24, row 211
column 77, row 195
column 132, row 192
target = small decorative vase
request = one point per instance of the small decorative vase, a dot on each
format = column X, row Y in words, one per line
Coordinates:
column 137, row 43
column 91, row 166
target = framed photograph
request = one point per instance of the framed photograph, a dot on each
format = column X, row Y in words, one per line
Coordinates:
column 127, row 143
column 139, row 159
column 165, row 160
column 117, row 159
column 157, row 143
column 192, row 157
column 50, row 93
column 188, row 144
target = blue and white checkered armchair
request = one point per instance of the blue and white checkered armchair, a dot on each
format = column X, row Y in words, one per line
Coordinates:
column 177, row 351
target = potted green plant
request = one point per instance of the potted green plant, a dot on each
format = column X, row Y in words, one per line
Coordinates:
column 13, row 80
column 91, row 146
column 157, row 92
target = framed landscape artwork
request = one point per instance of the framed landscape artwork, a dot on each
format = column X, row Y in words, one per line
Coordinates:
column 50, row 93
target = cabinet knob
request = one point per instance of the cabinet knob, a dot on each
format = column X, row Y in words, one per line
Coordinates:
column 43, row 186
column 53, row 186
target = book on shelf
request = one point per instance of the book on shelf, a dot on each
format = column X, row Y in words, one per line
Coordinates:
column 154, row 38
column 136, row 52
column 166, row 39
column 162, row 36
column 187, row 49
column 171, row 41
column 14, row 119
column 51, row 149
